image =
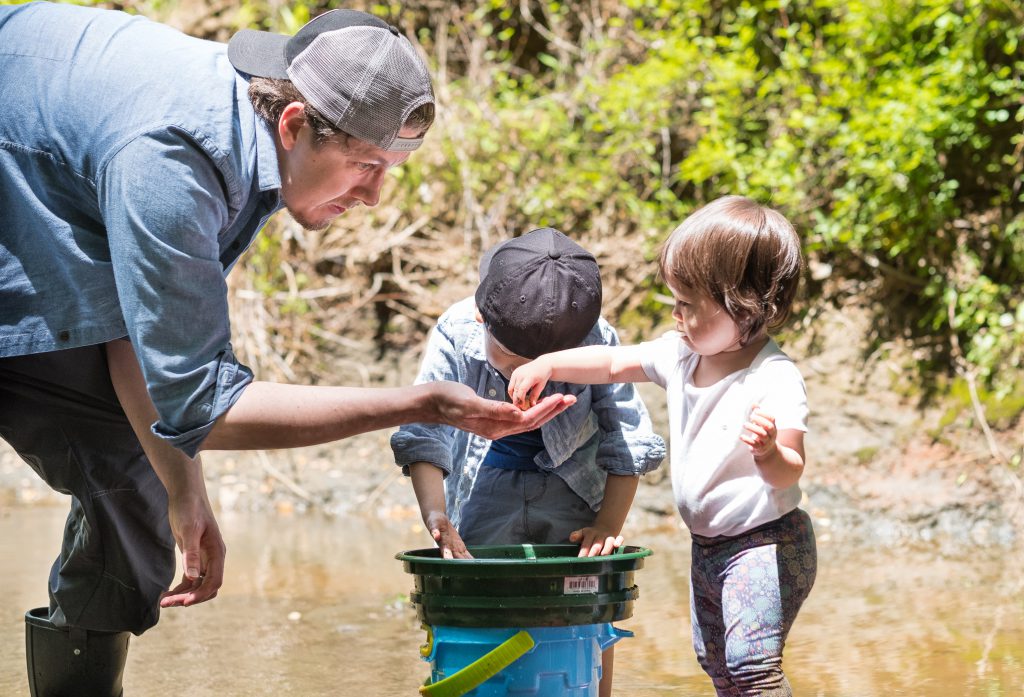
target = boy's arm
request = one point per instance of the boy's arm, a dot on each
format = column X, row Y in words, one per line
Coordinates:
column 587, row 365
column 428, row 483
column 603, row 536
column 426, row 441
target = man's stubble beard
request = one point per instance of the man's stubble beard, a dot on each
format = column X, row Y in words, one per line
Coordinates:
column 306, row 223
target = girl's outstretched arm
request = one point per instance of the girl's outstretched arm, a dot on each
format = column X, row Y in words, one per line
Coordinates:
column 587, row 365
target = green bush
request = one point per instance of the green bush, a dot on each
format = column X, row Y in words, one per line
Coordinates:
column 888, row 130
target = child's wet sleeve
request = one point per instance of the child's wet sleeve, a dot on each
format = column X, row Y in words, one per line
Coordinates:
column 425, row 442
column 628, row 444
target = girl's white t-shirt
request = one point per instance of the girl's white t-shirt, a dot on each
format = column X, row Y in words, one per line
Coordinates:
column 717, row 487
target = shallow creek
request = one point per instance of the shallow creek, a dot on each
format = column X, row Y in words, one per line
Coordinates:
column 318, row 606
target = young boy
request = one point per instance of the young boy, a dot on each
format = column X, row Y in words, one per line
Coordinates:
column 574, row 478
column 571, row 480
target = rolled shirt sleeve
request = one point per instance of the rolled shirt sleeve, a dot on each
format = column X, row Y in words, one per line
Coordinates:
column 423, row 442
column 628, row 444
column 163, row 203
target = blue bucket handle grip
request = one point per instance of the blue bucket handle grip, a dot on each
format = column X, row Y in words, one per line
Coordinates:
column 482, row 669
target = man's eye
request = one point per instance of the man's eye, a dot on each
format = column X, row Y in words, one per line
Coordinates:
column 364, row 166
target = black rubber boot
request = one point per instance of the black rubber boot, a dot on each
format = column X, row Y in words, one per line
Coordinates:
column 72, row 662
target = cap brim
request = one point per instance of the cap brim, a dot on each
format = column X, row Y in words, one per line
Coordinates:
column 259, row 53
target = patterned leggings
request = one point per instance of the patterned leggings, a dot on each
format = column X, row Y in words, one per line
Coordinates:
column 745, row 592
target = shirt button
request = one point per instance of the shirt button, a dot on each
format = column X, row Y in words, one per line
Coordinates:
column 64, row 335
column 492, row 392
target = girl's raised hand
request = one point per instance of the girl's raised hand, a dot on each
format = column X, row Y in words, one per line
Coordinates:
column 760, row 432
column 527, row 382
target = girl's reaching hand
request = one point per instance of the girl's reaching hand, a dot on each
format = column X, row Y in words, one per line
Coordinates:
column 760, row 433
column 527, row 382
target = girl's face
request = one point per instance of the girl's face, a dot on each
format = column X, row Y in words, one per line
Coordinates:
column 703, row 325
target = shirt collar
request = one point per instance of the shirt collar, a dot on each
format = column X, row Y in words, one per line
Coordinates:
column 267, row 171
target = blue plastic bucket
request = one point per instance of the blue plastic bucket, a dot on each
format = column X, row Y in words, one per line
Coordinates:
column 520, row 620
column 563, row 662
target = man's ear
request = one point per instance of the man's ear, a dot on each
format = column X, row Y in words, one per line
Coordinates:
column 290, row 123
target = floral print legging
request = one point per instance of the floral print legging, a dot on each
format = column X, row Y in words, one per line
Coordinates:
column 745, row 592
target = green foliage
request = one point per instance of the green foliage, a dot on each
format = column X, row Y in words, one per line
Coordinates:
column 888, row 130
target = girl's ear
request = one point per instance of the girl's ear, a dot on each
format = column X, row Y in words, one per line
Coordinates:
column 479, row 317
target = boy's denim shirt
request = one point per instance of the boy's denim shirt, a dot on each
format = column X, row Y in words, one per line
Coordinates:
column 607, row 431
column 133, row 173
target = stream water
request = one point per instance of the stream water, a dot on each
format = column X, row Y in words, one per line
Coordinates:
column 318, row 606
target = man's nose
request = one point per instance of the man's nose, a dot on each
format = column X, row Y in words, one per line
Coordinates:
column 369, row 192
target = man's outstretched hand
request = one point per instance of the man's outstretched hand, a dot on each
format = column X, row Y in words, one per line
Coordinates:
column 459, row 406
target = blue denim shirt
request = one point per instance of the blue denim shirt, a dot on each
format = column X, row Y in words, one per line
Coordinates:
column 607, row 431
column 133, row 173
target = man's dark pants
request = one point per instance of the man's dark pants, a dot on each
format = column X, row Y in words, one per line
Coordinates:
column 60, row 413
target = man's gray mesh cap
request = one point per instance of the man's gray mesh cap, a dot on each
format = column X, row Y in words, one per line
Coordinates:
column 354, row 68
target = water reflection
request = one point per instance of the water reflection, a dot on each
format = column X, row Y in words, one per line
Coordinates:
column 316, row 606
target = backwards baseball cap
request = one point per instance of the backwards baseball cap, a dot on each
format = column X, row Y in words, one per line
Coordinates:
column 352, row 67
column 539, row 292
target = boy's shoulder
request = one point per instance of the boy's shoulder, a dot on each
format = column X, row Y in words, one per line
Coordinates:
column 459, row 326
column 602, row 333
column 462, row 311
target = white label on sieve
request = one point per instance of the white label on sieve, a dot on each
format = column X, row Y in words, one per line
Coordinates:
column 575, row 585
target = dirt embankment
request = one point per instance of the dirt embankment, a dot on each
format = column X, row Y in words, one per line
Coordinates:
column 879, row 470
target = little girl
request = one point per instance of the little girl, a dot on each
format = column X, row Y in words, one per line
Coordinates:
column 737, row 412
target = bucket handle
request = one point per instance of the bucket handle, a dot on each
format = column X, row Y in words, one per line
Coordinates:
column 482, row 669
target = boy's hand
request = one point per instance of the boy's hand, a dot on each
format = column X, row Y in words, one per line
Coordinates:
column 595, row 542
column 527, row 382
column 760, row 433
column 447, row 537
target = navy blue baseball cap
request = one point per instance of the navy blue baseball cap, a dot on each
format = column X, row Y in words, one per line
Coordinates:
column 538, row 293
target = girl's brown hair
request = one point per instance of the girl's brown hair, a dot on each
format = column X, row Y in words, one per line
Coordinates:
column 746, row 256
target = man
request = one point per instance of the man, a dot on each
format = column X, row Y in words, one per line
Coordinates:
column 136, row 165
